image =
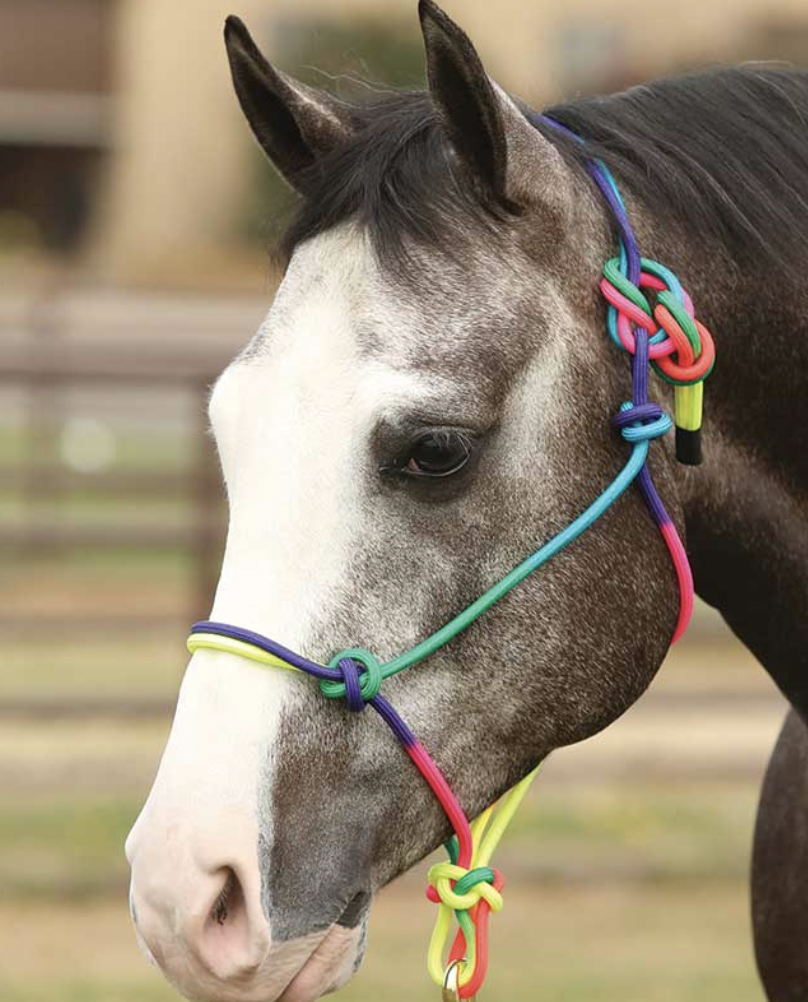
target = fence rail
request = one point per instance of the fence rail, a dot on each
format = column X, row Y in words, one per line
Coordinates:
column 55, row 353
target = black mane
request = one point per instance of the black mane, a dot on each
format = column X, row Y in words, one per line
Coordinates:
column 725, row 152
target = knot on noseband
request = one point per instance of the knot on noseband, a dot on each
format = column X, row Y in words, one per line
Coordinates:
column 641, row 422
column 461, row 889
column 361, row 678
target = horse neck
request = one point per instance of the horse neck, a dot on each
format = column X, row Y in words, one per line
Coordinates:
column 746, row 507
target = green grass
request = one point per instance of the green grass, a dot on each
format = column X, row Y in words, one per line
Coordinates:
column 597, row 943
column 157, row 453
column 106, row 668
column 141, row 568
column 68, row 845
column 143, row 564
column 669, row 832
column 101, row 663
column 80, row 508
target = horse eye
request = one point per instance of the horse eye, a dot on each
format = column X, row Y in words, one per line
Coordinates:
column 437, row 454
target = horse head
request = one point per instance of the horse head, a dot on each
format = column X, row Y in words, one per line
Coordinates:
column 426, row 402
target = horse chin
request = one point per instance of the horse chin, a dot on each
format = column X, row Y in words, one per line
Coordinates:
column 330, row 967
column 301, row 970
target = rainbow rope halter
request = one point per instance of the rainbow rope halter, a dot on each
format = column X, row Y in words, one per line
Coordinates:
column 680, row 349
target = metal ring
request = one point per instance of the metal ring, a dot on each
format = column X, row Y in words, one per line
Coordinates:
column 452, row 994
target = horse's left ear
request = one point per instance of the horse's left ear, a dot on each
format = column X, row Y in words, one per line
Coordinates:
column 494, row 141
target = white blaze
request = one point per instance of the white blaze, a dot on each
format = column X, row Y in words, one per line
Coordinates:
column 291, row 420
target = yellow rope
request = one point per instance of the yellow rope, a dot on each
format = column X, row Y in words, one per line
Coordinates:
column 486, row 832
column 215, row 642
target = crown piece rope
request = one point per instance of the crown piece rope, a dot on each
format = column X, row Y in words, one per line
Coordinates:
column 666, row 337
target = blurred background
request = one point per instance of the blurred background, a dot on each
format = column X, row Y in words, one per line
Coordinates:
column 135, row 214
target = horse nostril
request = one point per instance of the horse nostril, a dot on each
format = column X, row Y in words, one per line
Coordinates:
column 199, row 922
column 231, row 899
column 234, row 937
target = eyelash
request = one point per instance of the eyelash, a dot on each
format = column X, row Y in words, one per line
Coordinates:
column 451, row 449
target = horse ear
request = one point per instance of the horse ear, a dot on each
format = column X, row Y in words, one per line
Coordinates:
column 487, row 130
column 294, row 124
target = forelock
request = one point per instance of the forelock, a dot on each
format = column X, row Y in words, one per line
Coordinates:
column 398, row 180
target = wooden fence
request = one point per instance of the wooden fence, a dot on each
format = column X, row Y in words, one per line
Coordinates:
column 63, row 347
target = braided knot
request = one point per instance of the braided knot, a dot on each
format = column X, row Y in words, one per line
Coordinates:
column 463, row 889
column 641, row 422
column 361, row 678
column 681, row 348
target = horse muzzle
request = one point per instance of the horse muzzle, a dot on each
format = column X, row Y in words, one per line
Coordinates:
column 202, row 888
column 203, row 925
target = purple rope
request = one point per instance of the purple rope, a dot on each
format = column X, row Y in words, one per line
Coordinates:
column 642, row 410
column 353, row 690
column 347, row 672
column 393, row 721
column 271, row 647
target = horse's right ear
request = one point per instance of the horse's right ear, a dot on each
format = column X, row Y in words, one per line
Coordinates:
column 294, row 124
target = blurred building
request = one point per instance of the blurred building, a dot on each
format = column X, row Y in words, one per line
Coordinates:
column 56, row 116
column 120, row 139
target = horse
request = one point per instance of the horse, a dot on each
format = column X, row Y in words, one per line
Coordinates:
column 428, row 399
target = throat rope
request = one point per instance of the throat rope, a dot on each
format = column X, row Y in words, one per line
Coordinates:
column 467, row 888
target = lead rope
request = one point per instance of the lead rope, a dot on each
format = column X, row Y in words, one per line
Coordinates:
column 467, row 888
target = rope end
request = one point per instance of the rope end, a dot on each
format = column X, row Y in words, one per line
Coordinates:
column 688, row 446
column 689, row 414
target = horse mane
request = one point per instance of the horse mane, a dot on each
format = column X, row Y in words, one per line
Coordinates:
column 725, row 152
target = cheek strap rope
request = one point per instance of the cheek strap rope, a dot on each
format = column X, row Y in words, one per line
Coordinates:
column 467, row 888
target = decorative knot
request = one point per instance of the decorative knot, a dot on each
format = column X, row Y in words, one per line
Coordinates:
column 361, row 678
column 641, row 422
column 463, row 889
column 680, row 347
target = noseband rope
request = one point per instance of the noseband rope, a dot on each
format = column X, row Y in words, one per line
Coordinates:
column 680, row 349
